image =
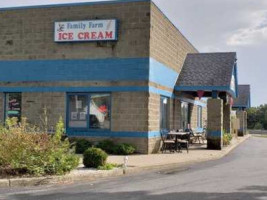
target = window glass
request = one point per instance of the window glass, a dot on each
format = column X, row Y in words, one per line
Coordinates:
column 78, row 111
column 164, row 118
column 184, row 115
column 13, row 105
column 100, row 111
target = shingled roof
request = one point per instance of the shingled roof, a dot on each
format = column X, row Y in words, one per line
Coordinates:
column 243, row 100
column 207, row 69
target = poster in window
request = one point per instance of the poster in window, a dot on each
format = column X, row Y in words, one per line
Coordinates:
column 82, row 115
column 74, row 115
column 78, row 104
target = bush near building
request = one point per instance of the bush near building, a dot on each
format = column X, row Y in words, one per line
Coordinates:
column 81, row 145
column 24, row 151
column 117, row 149
column 227, row 137
column 94, row 158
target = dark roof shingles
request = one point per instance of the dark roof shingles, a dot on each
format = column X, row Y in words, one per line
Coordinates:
column 207, row 69
column 243, row 96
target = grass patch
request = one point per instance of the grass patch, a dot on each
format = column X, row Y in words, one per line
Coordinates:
column 109, row 166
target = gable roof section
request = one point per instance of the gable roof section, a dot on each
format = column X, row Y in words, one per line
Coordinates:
column 243, row 100
column 208, row 72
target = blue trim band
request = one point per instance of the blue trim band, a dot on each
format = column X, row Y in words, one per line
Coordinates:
column 76, row 89
column 161, row 74
column 215, row 134
column 109, row 69
column 113, row 69
column 72, row 4
column 150, row 134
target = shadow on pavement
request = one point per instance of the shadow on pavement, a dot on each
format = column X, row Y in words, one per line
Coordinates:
column 248, row 193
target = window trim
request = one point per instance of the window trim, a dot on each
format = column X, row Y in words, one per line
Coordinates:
column 88, row 97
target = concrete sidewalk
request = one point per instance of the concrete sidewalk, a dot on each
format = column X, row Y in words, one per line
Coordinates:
column 136, row 163
column 197, row 153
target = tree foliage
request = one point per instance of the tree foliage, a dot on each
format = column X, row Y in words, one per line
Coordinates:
column 257, row 117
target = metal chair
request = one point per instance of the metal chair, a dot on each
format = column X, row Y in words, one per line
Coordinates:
column 167, row 144
column 184, row 141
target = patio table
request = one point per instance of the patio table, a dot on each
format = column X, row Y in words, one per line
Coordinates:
column 177, row 136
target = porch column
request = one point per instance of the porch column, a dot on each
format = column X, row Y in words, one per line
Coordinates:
column 227, row 118
column 241, row 117
column 245, row 122
column 215, row 124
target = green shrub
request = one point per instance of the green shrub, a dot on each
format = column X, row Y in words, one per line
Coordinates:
column 108, row 166
column 227, row 137
column 82, row 145
column 119, row 149
column 26, row 151
column 124, row 149
column 108, row 146
column 94, row 157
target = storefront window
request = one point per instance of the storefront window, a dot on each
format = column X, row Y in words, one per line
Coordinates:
column 164, row 118
column 13, row 105
column 78, row 111
column 98, row 107
column 185, row 115
column 199, row 117
column 99, row 111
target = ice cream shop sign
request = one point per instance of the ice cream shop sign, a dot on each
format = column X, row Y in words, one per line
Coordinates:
column 89, row 30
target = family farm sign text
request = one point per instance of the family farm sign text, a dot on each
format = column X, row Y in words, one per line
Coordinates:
column 89, row 30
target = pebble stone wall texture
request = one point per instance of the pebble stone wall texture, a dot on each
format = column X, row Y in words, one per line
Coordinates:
column 215, row 124
column 227, row 108
column 170, row 47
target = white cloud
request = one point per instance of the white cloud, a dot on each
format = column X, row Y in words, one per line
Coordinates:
column 256, row 33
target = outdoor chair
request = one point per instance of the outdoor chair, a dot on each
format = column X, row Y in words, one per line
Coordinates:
column 167, row 144
column 200, row 137
column 184, row 141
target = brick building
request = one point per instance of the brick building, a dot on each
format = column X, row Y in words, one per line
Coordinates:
column 116, row 78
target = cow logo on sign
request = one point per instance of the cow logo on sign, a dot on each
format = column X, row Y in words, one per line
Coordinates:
column 61, row 27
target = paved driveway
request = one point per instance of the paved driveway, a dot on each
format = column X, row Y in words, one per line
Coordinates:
column 240, row 175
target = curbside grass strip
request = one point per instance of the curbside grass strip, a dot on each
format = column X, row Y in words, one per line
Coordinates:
column 27, row 182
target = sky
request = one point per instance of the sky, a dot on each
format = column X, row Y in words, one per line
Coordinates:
column 215, row 26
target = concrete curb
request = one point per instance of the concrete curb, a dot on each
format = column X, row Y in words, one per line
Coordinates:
column 69, row 178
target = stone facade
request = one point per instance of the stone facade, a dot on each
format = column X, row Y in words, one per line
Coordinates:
column 24, row 37
column 144, row 32
column 227, row 108
column 167, row 44
column 129, row 111
column 34, row 104
column 215, row 124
